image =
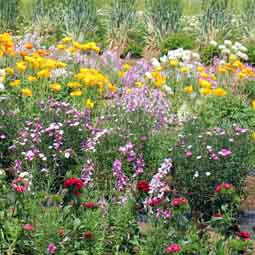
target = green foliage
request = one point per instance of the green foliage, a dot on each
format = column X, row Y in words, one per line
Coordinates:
column 251, row 53
column 9, row 11
column 163, row 16
column 249, row 89
column 208, row 53
column 178, row 40
column 248, row 18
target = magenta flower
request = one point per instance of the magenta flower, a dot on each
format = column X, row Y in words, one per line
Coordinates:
column 173, row 248
column 225, row 152
column 188, row 154
column 52, row 248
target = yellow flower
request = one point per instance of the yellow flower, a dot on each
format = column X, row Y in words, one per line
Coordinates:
column 205, row 91
column 139, row 84
column 184, row 69
column 31, row 78
column 27, row 92
column 188, row 89
column 76, row 93
column 67, row 40
column 111, row 87
column 129, row 90
column 173, row 62
column 1, row 53
column 232, row 58
column 15, row 83
column 253, row 104
column 9, row 71
column 219, row 92
column 204, row 84
column 21, row 66
column 200, row 69
column 55, row 87
column 61, row 46
column 45, row 73
column 126, row 67
column 221, row 69
column 89, row 104
column 73, row 85
column 204, row 75
column 253, row 135
column 121, row 74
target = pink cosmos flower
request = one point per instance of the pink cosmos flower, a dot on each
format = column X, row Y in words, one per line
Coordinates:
column 173, row 248
column 225, row 152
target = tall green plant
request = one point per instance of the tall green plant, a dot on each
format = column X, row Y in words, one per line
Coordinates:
column 120, row 19
column 80, row 18
column 163, row 17
column 9, row 10
column 215, row 19
column 248, row 18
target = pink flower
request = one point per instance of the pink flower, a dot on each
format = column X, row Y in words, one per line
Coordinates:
column 225, row 186
column 225, row 152
column 28, row 227
column 51, row 248
column 173, row 248
column 188, row 154
column 179, row 201
column 20, row 185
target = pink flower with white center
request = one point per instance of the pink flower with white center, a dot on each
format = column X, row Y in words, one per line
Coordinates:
column 225, row 152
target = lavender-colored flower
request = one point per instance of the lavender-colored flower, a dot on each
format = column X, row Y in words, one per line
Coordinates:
column 225, row 152
column 139, row 166
column 121, row 178
column 87, row 172
column 163, row 213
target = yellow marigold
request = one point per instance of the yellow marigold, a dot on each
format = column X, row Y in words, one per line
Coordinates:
column 9, row 71
column 205, row 91
column 27, row 92
column 126, row 67
column 204, row 75
column 89, row 104
column 188, row 89
column 73, row 84
column 55, row 87
column 219, row 92
column 253, row 104
column 204, row 84
column 45, row 73
column 160, row 81
column 15, row 83
column 76, row 93
column 61, row 46
column 1, row 53
column 31, row 78
column 232, row 58
column 200, row 69
column 221, row 69
column 67, row 39
column 173, row 62
column 28, row 46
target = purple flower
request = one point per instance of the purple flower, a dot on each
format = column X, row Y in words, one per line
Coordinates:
column 52, row 248
column 121, row 178
column 188, row 154
column 225, row 152
column 87, row 172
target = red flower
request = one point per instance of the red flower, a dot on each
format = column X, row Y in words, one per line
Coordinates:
column 244, row 235
column 222, row 186
column 28, row 227
column 227, row 186
column 173, row 248
column 20, row 185
column 155, row 201
column 218, row 188
column 217, row 215
column 143, row 186
column 75, row 184
column 89, row 204
column 88, row 235
column 179, row 201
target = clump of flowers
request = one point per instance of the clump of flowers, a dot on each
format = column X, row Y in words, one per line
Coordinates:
column 74, row 185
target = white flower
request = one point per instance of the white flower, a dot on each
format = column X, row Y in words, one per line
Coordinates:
column 213, row 43
column 234, row 48
column 242, row 48
column 2, row 172
column 2, row 72
column 222, row 62
column 226, row 51
column 199, row 157
column 222, row 47
column 196, row 174
column 24, row 174
column 163, row 59
column 168, row 90
column 155, row 63
column 148, row 75
column 195, row 56
column 207, row 173
column 228, row 43
column 2, row 86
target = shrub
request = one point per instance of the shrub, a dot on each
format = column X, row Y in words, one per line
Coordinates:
column 176, row 41
column 204, row 158
column 251, row 53
column 208, row 53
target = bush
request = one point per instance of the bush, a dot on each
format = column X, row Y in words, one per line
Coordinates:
column 204, row 158
column 176, row 41
column 208, row 53
column 251, row 53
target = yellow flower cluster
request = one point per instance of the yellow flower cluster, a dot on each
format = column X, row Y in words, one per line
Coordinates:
column 6, row 45
column 158, row 78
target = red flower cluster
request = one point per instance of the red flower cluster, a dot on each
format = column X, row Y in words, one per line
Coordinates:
column 155, row 201
column 20, row 185
column 89, row 205
column 143, row 186
column 74, row 184
column 217, row 215
column 223, row 186
column 173, row 248
column 180, row 201
column 244, row 235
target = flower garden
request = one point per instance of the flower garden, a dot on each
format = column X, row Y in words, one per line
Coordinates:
column 126, row 132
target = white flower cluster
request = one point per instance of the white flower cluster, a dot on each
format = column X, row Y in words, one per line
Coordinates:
column 229, row 48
